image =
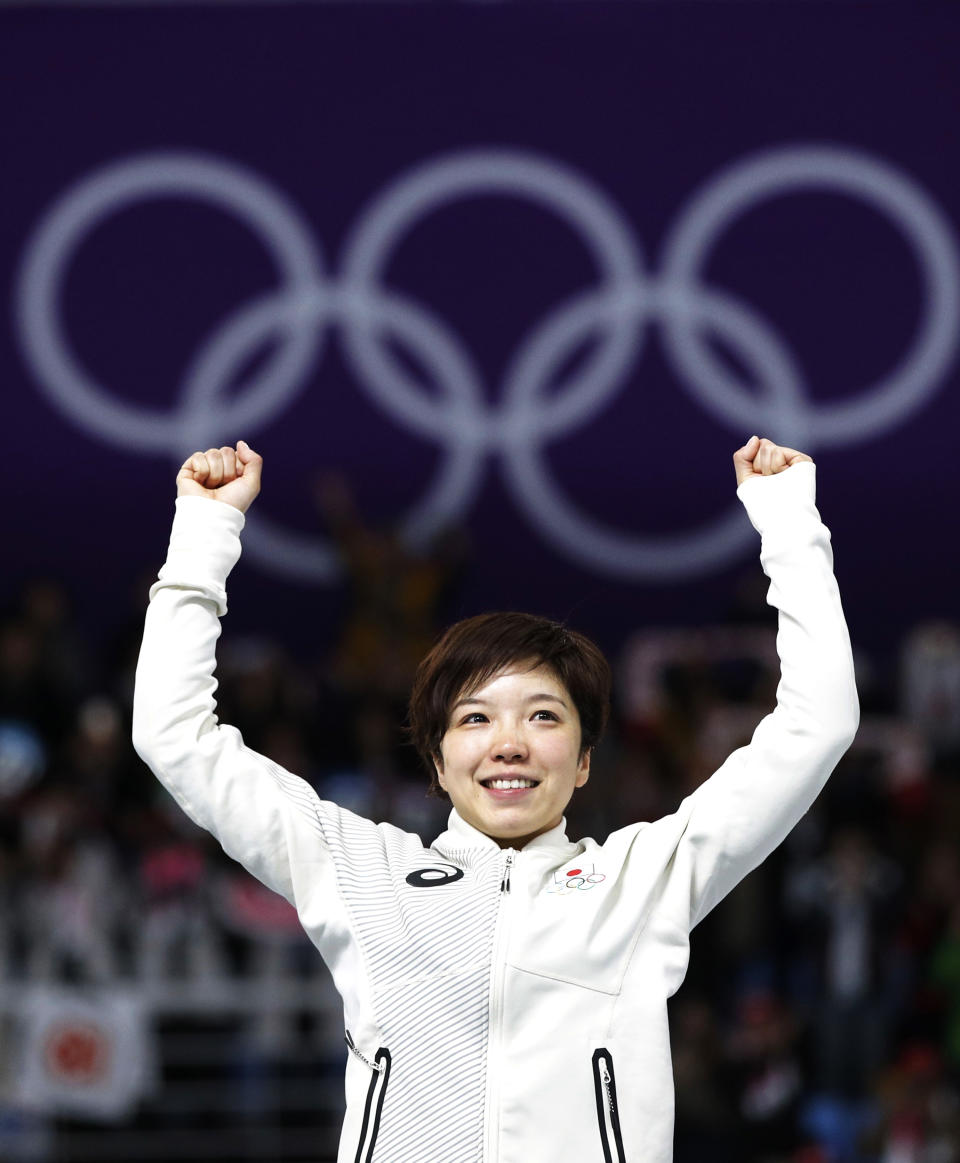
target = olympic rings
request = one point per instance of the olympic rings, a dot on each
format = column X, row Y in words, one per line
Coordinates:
column 59, row 234
column 617, row 311
column 888, row 191
column 575, row 882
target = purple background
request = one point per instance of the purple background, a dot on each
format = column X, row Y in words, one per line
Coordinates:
column 331, row 103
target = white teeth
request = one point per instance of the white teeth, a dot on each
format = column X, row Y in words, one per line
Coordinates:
column 510, row 784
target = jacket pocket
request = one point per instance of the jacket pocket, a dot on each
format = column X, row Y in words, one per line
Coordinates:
column 376, row 1092
column 608, row 1114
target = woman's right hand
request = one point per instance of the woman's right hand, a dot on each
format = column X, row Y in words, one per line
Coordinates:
column 222, row 474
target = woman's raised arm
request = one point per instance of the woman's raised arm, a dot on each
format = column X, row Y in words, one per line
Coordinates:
column 263, row 816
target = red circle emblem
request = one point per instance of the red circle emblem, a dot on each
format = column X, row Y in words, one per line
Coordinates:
column 574, row 872
column 77, row 1052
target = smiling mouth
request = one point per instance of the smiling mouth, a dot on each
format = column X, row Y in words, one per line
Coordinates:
column 513, row 784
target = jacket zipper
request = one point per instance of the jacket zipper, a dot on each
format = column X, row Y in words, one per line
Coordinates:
column 505, row 879
column 370, row 1127
column 608, row 1114
column 499, row 964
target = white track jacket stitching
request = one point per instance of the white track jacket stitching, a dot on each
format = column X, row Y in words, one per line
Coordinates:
column 504, row 1007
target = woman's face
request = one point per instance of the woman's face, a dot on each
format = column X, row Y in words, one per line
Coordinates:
column 511, row 755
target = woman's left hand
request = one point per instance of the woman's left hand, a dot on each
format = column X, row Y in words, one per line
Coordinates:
column 760, row 457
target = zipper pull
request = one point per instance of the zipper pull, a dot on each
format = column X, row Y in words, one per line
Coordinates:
column 379, row 1067
column 505, row 882
column 608, row 1086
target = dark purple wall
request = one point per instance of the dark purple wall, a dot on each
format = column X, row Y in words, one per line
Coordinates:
column 836, row 126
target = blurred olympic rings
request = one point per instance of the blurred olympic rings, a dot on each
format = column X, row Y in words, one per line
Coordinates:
column 617, row 311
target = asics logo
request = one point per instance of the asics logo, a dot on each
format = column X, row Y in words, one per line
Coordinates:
column 434, row 877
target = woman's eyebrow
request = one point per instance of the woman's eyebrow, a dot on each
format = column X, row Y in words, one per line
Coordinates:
column 545, row 695
column 539, row 697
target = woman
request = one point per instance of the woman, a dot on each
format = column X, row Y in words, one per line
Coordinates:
column 504, row 989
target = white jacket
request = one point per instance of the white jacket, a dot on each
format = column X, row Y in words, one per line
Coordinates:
column 502, row 1006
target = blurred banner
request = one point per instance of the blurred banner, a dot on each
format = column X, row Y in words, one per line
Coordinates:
column 526, row 272
column 85, row 1054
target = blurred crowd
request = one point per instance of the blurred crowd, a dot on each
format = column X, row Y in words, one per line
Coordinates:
column 820, row 1020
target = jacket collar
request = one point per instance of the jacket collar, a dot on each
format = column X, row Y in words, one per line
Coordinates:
column 462, row 836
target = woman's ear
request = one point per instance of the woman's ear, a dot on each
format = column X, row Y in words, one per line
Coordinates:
column 583, row 769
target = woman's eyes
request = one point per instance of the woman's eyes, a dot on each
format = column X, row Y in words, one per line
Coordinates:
column 479, row 717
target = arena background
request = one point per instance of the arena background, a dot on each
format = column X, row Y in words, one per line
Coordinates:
column 496, row 289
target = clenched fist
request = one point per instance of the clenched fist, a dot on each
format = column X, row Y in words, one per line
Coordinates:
column 222, row 474
column 760, row 457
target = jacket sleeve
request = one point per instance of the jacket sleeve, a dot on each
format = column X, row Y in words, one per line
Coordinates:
column 737, row 817
column 263, row 816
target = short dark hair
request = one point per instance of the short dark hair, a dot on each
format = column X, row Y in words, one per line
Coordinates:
column 472, row 651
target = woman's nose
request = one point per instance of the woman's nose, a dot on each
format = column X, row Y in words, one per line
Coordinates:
column 510, row 748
